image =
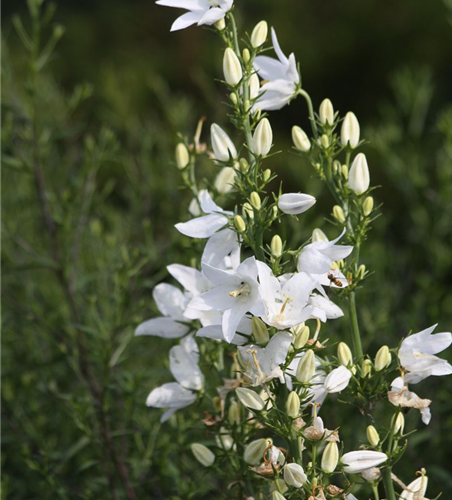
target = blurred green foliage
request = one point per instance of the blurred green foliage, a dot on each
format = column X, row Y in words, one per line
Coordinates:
column 90, row 196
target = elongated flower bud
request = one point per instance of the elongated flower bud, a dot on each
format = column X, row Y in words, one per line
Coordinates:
column 293, row 405
column 399, row 424
column 246, row 55
column 326, row 112
column 202, row 454
column 223, row 147
column 254, row 86
column 306, row 367
column 366, row 367
column 276, row 495
column 260, row 331
column 338, row 214
column 300, row 139
column 220, row 25
column 247, row 210
column 254, row 451
column 244, row 165
column 266, row 175
column 324, row 141
column 357, row 461
column 368, row 205
column 262, row 138
column 182, row 156
column 330, row 457
column 344, row 171
column 234, row 414
column 239, row 224
column 295, row 203
column 294, row 475
column 255, row 200
column 249, row 398
column 225, row 180
column 350, row 130
column 276, row 246
column 337, row 380
column 344, row 354
column 372, row 436
column 382, row 359
column 318, row 235
column 232, row 68
column 301, row 336
column 359, row 177
column 259, row 34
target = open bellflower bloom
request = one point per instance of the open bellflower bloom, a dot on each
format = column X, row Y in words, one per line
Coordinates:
column 358, row 461
column 417, row 355
column 281, row 76
column 199, row 11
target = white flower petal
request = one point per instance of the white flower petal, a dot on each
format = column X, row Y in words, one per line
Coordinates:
column 162, row 327
column 170, row 301
column 202, row 227
column 185, row 369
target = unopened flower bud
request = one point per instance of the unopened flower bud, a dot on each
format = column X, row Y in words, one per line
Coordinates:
column 231, row 67
column 295, row 203
column 223, row 147
column 225, row 180
column 368, row 205
column 366, row 367
column 239, row 224
column 300, row 139
column 371, row 475
column 266, row 175
column 182, row 156
column 318, row 235
column 344, row 171
column 293, row 405
column 254, row 451
column 330, row 457
column 301, row 336
column 220, row 25
column 350, row 130
column 276, row 246
column 294, row 475
column 372, row 436
column 359, row 177
column 246, row 105
column 260, row 331
column 326, row 112
column 254, row 86
column 324, row 141
column 244, row 165
column 233, row 97
column 217, row 403
column 338, row 214
column 259, row 34
column 306, row 367
column 257, row 114
column 249, row 398
column 336, row 166
column 234, row 414
column 262, row 138
column 344, row 354
column 202, row 454
column 383, row 358
column 246, row 55
column 255, row 200
column 399, row 424
column 275, row 212
column 247, row 210
column 361, row 271
column 276, row 495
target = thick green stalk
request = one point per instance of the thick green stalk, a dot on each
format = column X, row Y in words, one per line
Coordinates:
column 310, row 111
column 388, row 484
column 356, row 338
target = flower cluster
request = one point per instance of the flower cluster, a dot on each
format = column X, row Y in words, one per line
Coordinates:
column 262, row 306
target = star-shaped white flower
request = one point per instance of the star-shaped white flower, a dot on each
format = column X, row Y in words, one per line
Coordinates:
column 281, row 78
column 200, row 11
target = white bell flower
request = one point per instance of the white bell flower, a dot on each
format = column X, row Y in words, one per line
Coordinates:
column 281, row 76
column 199, row 11
column 263, row 363
column 235, row 293
column 358, row 461
column 417, row 355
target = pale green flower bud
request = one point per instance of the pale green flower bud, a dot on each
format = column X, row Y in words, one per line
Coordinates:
column 246, row 105
column 276, row 246
column 202, row 454
column 300, row 139
column 344, row 354
column 257, row 114
column 220, row 25
column 246, row 55
column 247, row 210
column 233, row 97
column 239, row 224
column 275, row 212
column 350, row 130
column 225, row 180
column 366, row 367
column 330, row 457
column 259, row 34
column 254, row 86
column 301, row 336
column 254, row 451
column 249, row 398
column 338, row 214
column 293, row 405
column 266, row 175
column 306, row 367
column 361, row 271
column 262, row 138
column 182, row 156
column 234, row 414
column 359, row 177
column 260, row 331
column 399, row 424
column 372, row 436
column 344, row 171
column 318, row 235
column 368, row 205
column 255, row 200
column 336, row 166
column 326, row 112
column 383, row 358
column 232, row 68
column 276, row 495
column 244, row 165
column 324, row 141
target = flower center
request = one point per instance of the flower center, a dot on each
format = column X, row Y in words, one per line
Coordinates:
column 242, row 292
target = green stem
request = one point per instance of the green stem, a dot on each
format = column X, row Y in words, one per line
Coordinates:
column 356, row 338
column 310, row 111
column 375, row 490
column 388, row 484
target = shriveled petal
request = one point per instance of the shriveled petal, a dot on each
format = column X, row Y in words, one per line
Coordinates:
column 162, row 327
column 202, row 227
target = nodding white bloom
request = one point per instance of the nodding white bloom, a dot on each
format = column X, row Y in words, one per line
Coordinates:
column 359, row 177
column 232, row 69
column 286, row 305
column 199, row 11
column 263, row 363
column 223, row 147
column 235, row 293
column 416, row 489
column 295, row 203
column 262, row 138
column 294, row 475
column 417, row 355
column 184, row 367
column 358, row 461
column 281, row 75
column 206, row 225
column 399, row 395
column 172, row 303
column 225, row 180
column 350, row 130
column 317, row 257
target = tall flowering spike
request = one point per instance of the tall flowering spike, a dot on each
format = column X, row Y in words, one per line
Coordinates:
column 232, row 68
column 262, row 138
column 259, row 34
column 359, row 177
column 350, row 130
column 223, row 147
column 326, row 112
